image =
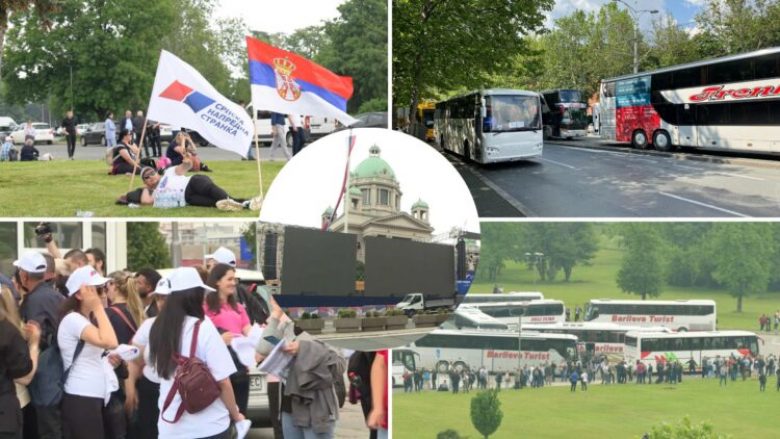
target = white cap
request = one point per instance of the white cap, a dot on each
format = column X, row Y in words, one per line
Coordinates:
column 31, row 262
column 163, row 287
column 223, row 256
column 85, row 275
column 185, row 278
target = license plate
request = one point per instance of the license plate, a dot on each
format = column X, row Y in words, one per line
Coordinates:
column 256, row 383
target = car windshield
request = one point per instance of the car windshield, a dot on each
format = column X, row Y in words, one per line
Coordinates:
column 570, row 96
column 512, row 113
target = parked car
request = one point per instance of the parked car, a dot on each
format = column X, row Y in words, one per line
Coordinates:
column 43, row 133
column 7, row 126
column 166, row 133
column 375, row 119
column 95, row 134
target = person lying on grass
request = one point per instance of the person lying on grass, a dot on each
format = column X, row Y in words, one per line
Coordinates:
column 174, row 188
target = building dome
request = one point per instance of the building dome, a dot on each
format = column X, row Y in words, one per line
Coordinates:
column 374, row 166
column 328, row 212
column 354, row 191
column 420, row 204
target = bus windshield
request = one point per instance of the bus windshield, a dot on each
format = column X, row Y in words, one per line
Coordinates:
column 512, row 113
column 570, row 96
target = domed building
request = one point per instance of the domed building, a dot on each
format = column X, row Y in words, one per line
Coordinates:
column 374, row 204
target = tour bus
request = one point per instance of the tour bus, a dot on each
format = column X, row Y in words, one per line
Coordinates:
column 651, row 348
column 472, row 318
column 403, row 360
column 535, row 311
column 595, row 339
column 514, row 296
column 728, row 103
column 489, row 126
column 564, row 114
column 496, row 351
column 425, row 112
column 677, row 315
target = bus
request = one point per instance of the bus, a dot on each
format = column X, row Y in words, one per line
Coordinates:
column 650, row 347
column 496, row 351
column 489, row 126
column 677, row 315
column 425, row 112
column 514, row 296
column 534, row 311
column 728, row 103
column 596, row 339
column 403, row 360
column 564, row 114
column 472, row 318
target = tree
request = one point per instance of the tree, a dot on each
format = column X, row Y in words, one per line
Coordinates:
column 42, row 8
column 672, row 44
column 448, row 434
column 486, row 412
column 742, row 253
column 684, row 430
column 564, row 245
column 736, row 26
column 499, row 243
column 641, row 271
column 146, row 246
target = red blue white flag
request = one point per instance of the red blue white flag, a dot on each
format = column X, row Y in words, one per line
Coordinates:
column 287, row 83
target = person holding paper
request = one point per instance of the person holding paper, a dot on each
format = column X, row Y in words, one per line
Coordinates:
column 231, row 320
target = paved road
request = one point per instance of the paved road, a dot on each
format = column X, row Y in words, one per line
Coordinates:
column 351, row 425
column 587, row 178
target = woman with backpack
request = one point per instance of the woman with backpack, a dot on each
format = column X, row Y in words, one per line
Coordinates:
column 87, row 380
column 231, row 319
column 191, row 359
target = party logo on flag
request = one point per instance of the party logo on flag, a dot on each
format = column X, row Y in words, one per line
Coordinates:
column 288, row 89
column 217, row 116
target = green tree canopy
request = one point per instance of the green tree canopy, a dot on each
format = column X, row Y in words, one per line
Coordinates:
column 642, row 270
column 486, row 412
column 146, row 246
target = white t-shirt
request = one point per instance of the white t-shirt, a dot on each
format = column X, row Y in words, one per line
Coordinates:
column 170, row 189
column 141, row 339
column 82, row 380
column 215, row 418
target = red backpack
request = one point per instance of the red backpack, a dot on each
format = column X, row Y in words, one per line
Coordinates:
column 193, row 381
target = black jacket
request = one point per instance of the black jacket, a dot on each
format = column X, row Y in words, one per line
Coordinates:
column 15, row 363
column 70, row 125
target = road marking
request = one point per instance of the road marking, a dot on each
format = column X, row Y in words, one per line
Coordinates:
column 742, row 176
column 699, row 203
column 520, row 207
column 559, row 164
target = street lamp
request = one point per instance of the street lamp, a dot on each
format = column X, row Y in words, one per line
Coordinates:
column 635, row 14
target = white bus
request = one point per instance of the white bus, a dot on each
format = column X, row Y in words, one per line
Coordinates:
column 514, row 296
column 497, row 351
column 472, row 318
column 489, row 126
column 729, row 103
column 651, row 348
column 677, row 315
column 595, row 339
column 403, row 360
column 534, row 311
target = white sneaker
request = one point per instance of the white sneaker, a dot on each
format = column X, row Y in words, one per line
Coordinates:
column 255, row 203
column 229, row 205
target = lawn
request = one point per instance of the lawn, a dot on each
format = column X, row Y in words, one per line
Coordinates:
column 617, row 411
column 598, row 281
column 61, row 188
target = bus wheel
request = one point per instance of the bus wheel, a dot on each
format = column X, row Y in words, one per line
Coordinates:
column 442, row 366
column 682, row 329
column 662, row 141
column 639, row 139
column 459, row 366
column 466, row 152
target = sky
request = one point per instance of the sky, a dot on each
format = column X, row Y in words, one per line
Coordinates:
column 279, row 15
column 683, row 11
column 310, row 183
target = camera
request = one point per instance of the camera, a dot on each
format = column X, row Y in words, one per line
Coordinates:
column 43, row 231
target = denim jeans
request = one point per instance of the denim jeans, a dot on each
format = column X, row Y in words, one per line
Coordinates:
column 291, row 431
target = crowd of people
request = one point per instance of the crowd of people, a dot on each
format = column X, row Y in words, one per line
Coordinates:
column 67, row 325
column 769, row 323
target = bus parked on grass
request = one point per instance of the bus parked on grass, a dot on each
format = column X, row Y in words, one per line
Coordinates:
column 595, row 339
column 514, row 296
column 403, row 360
column 651, row 348
column 535, row 311
column 496, row 351
column 489, row 126
column 728, row 103
column 564, row 114
column 677, row 315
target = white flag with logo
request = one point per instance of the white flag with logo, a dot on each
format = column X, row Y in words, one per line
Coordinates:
column 182, row 97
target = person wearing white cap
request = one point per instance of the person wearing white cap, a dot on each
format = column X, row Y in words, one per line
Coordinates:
column 221, row 255
column 179, row 322
column 82, row 344
column 142, row 387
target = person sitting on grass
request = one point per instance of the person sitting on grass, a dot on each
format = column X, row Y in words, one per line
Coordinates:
column 177, row 189
column 5, row 151
column 29, row 153
column 183, row 144
column 124, row 155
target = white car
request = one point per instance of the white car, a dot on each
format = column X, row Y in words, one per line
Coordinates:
column 43, row 133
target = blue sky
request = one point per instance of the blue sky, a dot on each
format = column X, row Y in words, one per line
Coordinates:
column 683, row 11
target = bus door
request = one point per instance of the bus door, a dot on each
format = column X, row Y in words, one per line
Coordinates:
column 686, row 131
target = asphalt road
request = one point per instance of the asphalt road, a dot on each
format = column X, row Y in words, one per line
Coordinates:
column 587, row 178
column 351, row 425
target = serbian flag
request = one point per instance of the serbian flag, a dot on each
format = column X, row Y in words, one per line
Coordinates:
column 287, row 83
column 182, row 97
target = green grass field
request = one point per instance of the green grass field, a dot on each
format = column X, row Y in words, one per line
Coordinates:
column 598, row 281
column 61, row 188
column 603, row 412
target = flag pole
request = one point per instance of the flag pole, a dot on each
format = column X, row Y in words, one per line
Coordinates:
column 137, row 160
column 257, row 151
column 347, row 201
